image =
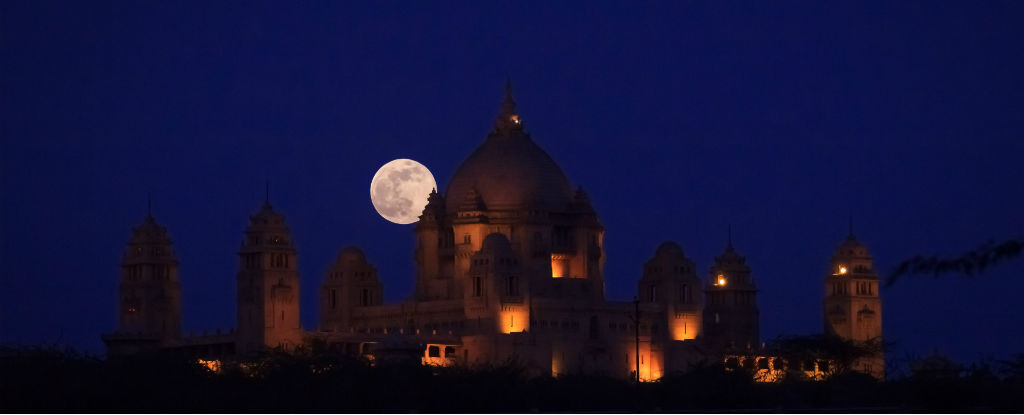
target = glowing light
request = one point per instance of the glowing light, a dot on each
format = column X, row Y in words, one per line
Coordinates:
column 842, row 270
column 685, row 327
column 559, row 266
column 515, row 119
column 514, row 320
column 721, row 280
column 211, row 365
column 443, row 358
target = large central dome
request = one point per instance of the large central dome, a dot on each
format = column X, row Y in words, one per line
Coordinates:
column 509, row 171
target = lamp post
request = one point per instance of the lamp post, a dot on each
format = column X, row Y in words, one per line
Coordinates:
column 636, row 328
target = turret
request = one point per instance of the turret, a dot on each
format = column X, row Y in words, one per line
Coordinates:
column 149, row 300
column 852, row 306
column 731, row 317
column 268, row 285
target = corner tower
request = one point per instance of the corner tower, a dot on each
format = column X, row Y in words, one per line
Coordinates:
column 731, row 316
column 149, row 300
column 670, row 280
column 268, row 285
column 852, row 307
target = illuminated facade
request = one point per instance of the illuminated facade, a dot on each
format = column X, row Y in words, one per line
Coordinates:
column 149, row 297
column 268, row 285
column 731, row 317
column 509, row 266
column 852, row 307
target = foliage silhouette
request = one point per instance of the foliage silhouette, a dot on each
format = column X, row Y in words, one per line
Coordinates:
column 50, row 380
column 968, row 263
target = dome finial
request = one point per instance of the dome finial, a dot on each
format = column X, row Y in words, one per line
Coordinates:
column 850, row 235
column 266, row 197
column 149, row 208
column 507, row 118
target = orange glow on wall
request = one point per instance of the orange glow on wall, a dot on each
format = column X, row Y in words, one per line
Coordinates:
column 685, row 327
column 559, row 267
column 556, row 361
column 442, row 358
column 650, row 363
column 513, row 320
column 721, row 280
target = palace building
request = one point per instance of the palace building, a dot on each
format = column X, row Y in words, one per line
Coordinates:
column 509, row 266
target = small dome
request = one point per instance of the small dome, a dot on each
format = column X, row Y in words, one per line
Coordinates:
column 669, row 249
column 509, row 170
column 852, row 248
column 496, row 242
column 351, row 254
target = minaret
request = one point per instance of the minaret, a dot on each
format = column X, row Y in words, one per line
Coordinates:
column 731, row 317
column 852, row 307
column 268, row 285
column 150, row 295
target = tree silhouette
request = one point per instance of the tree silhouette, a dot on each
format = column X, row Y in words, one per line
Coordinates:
column 838, row 354
column 969, row 263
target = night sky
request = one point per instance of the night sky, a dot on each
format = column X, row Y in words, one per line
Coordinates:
column 678, row 119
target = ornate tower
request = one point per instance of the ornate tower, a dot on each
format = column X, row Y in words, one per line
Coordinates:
column 149, row 300
column 852, row 307
column 670, row 280
column 731, row 317
column 268, row 285
column 434, row 253
column 351, row 282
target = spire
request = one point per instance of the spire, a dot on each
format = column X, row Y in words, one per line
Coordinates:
column 508, row 106
column 850, row 235
column 507, row 118
column 266, row 198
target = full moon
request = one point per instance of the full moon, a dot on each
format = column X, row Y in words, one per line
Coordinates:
column 400, row 189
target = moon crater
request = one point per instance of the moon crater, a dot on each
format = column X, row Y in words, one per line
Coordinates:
column 399, row 190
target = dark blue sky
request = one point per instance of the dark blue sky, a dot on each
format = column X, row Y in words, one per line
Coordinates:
column 678, row 118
